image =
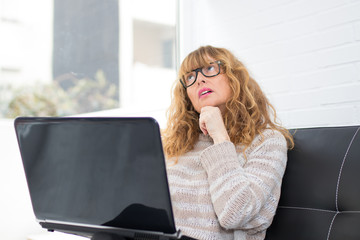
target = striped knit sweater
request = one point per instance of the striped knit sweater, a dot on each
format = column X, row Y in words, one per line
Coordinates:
column 218, row 194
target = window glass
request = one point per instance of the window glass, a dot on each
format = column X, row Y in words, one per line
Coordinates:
column 66, row 57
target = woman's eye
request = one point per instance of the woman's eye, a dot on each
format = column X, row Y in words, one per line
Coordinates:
column 210, row 68
column 190, row 78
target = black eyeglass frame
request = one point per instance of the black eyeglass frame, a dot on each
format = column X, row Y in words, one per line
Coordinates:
column 197, row 70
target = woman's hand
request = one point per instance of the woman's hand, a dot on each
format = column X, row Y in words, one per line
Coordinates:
column 211, row 123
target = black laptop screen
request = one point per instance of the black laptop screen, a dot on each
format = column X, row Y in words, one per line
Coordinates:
column 98, row 171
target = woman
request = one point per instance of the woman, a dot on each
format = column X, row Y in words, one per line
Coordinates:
column 226, row 154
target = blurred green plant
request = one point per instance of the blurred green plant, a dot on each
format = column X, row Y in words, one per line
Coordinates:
column 84, row 95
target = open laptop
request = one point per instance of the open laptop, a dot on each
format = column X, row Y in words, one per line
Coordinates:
column 91, row 175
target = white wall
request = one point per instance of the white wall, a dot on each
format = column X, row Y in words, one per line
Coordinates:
column 305, row 54
column 17, row 219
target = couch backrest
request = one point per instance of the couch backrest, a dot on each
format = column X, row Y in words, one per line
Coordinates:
column 320, row 197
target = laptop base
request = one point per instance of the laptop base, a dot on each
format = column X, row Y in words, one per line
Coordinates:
column 110, row 233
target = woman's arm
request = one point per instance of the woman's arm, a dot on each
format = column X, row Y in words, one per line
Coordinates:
column 245, row 195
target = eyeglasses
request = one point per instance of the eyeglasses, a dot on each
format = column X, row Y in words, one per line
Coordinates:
column 211, row 70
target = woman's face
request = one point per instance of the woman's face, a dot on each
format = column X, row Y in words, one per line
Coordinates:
column 210, row 91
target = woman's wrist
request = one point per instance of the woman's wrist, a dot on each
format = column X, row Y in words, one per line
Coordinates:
column 221, row 138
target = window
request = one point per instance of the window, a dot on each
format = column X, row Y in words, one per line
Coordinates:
column 79, row 56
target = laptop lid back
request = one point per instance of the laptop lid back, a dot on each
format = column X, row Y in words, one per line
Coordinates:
column 96, row 171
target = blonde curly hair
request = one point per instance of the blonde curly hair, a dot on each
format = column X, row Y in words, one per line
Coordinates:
column 248, row 113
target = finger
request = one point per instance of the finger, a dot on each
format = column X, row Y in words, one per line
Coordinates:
column 202, row 124
column 204, row 129
column 211, row 123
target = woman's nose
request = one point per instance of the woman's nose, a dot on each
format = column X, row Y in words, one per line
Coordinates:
column 201, row 78
column 200, row 81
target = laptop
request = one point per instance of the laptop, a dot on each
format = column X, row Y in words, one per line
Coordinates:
column 90, row 175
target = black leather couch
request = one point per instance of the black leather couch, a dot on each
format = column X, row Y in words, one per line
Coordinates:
column 320, row 197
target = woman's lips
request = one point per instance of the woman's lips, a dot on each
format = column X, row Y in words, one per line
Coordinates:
column 204, row 92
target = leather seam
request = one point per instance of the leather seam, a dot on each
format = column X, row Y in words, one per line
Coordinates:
column 331, row 224
column 341, row 168
column 317, row 209
column 310, row 209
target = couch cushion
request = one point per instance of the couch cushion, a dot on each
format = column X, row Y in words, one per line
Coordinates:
column 320, row 197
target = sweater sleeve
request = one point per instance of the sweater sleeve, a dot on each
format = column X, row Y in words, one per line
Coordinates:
column 245, row 195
